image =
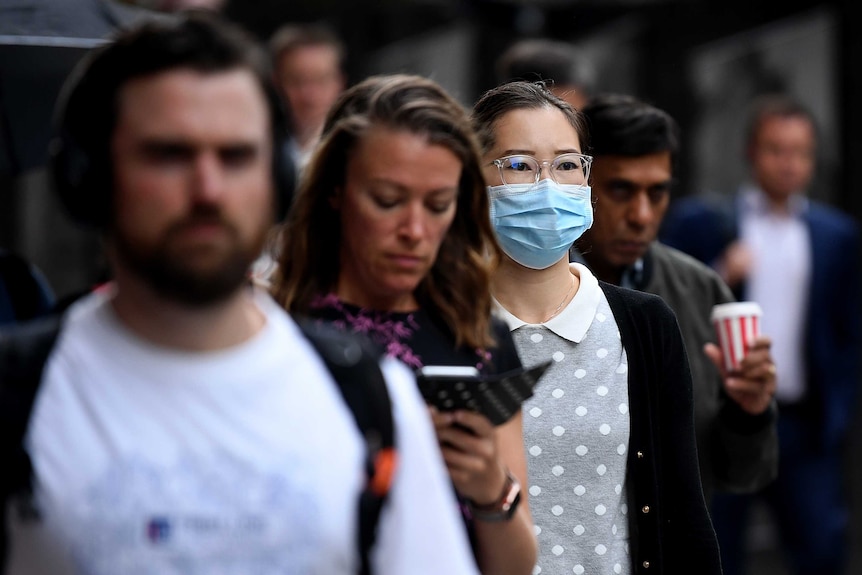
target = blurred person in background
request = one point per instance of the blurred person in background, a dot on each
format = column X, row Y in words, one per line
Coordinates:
column 635, row 149
column 389, row 236
column 308, row 71
column 562, row 66
column 183, row 423
column 613, row 465
column 799, row 259
column 308, row 64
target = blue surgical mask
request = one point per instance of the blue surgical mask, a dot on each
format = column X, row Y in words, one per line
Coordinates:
column 537, row 224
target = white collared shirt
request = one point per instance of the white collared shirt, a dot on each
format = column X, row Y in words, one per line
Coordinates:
column 573, row 322
column 779, row 282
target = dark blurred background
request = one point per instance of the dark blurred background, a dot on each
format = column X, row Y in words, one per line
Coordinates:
column 701, row 60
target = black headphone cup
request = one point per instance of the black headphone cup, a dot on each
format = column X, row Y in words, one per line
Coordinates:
column 77, row 181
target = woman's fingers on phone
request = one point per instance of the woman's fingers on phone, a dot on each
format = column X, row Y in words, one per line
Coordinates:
column 457, row 436
column 479, row 440
column 465, row 467
column 474, row 474
column 474, row 421
column 441, row 419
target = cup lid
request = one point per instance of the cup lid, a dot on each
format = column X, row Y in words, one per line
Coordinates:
column 735, row 309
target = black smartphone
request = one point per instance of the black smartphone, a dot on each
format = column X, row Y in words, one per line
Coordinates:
column 498, row 397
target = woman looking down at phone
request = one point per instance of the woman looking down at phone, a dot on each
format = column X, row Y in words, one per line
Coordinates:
column 389, row 235
column 613, row 466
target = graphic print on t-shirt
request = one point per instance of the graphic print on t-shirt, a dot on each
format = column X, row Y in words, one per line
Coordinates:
column 198, row 515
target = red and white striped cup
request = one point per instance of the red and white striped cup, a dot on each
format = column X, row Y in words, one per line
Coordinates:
column 737, row 325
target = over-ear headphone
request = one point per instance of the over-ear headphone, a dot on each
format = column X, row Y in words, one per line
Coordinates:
column 84, row 121
column 78, row 155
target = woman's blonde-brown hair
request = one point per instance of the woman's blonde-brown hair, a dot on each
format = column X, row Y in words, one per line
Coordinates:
column 457, row 288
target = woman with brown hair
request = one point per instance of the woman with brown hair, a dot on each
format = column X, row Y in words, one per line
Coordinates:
column 389, row 235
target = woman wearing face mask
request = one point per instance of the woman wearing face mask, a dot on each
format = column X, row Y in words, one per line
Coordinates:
column 389, row 235
column 612, row 461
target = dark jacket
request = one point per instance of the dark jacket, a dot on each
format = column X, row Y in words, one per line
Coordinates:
column 671, row 531
column 738, row 452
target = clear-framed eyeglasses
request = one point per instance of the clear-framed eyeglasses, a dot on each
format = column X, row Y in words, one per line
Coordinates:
column 571, row 168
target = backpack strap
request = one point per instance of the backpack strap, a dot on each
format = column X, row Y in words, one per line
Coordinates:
column 23, row 289
column 24, row 349
column 355, row 364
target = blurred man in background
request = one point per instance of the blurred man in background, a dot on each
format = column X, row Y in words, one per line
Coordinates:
column 799, row 259
column 635, row 149
column 308, row 63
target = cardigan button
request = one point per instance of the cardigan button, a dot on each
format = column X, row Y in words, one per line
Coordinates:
column 646, row 564
column 645, row 508
column 640, row 454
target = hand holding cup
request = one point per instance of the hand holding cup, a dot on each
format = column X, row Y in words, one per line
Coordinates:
column 737, row 326
column 743, row 355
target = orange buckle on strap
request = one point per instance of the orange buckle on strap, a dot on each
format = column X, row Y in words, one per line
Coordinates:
column 384, row 468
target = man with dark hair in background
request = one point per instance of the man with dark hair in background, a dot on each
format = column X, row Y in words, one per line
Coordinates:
column 308, row 63
column 800, row 260
column 308, row 72
column 569, row 74
column 635, row 149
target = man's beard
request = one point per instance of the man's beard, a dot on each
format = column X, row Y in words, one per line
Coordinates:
column 171, row 271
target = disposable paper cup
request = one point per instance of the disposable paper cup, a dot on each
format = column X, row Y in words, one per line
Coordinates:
column 737, row 325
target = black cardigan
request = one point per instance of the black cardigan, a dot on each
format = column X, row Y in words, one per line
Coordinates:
column 671, row 531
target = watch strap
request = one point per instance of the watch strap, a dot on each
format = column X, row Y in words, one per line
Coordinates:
column 504, row 508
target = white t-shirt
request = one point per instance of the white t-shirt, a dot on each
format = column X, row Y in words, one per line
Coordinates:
column 246, row 460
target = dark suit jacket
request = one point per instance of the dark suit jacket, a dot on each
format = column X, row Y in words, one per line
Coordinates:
column 833, row 340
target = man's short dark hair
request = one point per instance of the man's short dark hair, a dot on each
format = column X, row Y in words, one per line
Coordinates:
column 622, row 125
column 775, row 105
column 554, row 61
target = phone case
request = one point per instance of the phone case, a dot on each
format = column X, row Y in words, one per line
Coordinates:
column 498, row 397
